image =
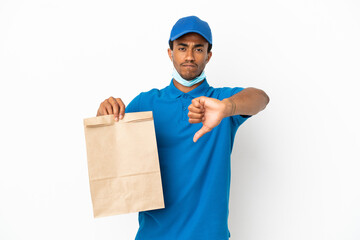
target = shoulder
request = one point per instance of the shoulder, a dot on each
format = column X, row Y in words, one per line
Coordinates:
column 151, row 92
column 155, row 93
column 145, row 100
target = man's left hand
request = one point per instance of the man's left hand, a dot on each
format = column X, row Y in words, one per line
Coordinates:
column 208, row 111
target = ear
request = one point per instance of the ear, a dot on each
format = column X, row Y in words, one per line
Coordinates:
column 209, row 55
column 170, row 54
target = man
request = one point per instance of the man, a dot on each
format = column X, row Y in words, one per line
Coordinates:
column 195, row 126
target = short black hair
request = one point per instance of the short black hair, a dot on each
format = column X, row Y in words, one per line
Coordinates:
column 171, row 45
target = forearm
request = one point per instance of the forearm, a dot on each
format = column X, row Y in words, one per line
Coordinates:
column 249, row 101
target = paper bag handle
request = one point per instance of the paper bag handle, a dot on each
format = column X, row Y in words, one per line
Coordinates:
column 108, row 120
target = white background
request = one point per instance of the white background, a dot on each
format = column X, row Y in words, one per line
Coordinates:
column 295, row 166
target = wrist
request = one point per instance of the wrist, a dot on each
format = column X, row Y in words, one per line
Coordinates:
column 230, row 107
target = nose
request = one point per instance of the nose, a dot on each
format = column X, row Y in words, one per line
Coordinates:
column 189, row 55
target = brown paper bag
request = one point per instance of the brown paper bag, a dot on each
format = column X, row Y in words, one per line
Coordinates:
column 123, row 164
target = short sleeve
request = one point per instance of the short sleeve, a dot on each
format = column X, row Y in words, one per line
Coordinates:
column 134, row 105
column 227, row 92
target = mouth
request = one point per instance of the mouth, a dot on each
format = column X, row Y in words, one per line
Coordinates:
column 189, row 65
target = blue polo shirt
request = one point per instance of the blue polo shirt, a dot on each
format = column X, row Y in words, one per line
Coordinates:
column 195, row 176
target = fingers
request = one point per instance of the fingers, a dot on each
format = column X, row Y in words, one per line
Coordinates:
column 108, row 108
column 195, row 120
column 195, row 117
column 122, row 107
column 112, row 106
column 118, row 107
column 196, row 111
column 196, row 105
column 201, row 132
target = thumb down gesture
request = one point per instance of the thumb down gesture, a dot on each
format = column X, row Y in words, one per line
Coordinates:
column 208, row 111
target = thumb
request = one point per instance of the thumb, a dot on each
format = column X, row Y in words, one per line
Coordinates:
column 201, row 132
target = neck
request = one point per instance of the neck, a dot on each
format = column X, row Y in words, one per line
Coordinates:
column 185, row 89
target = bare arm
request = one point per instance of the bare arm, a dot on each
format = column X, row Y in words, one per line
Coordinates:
column 249, row 101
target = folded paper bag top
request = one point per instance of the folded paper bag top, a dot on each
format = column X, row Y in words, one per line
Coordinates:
column 123, row 164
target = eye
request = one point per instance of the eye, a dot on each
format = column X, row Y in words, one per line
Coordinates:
column 181, row 49
column 199, row 50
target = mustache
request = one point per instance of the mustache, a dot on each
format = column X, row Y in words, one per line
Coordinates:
column 189, row 63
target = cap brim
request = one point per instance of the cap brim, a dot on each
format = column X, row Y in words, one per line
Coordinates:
column 188, row 31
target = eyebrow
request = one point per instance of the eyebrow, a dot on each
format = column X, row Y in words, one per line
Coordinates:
column 186, row 45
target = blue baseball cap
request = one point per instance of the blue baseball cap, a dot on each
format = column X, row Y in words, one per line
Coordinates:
column 191, row 24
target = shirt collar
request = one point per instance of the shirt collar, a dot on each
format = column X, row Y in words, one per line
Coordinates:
column 197, row 92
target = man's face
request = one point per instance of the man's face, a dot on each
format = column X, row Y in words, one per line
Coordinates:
column 190, row 55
